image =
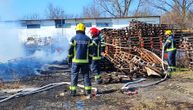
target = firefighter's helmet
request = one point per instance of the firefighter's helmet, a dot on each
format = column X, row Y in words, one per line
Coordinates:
column 94, row 31
column 168, row 32
column 80, row 27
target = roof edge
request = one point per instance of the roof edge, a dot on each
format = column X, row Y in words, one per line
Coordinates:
column 84, row 18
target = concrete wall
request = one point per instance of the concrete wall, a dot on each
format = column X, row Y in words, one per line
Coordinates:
column 47, row 27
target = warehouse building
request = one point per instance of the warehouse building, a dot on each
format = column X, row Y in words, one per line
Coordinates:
column 66, row 27
column 54, row 34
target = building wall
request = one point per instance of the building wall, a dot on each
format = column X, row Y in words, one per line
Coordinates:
column 44, row 36
column 48, row 29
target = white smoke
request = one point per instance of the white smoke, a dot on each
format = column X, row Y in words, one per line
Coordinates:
column 57, row 50
column 10, row 45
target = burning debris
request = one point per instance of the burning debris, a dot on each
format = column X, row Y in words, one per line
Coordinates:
column 48, row 45
column 18, row 68
column 55, row 67
column 22, row 58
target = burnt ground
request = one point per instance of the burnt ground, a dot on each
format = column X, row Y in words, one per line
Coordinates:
column 175, row 93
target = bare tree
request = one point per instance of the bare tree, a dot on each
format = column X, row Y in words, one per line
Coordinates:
column 92, row 11
column 190, row 19
column 53, row 12
column 177, row 9
column 144, row 12
column 143, row 9
column 116, row 8
column 139, row 5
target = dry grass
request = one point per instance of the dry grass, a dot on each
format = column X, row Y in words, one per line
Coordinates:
column 184, row 74
column 15, row 85
column 12, row 85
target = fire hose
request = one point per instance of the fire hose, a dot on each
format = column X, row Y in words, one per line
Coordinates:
column 43, row 88
column 26, row 92
column 128, row 86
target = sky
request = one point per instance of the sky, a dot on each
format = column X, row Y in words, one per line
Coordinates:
column 17, row 9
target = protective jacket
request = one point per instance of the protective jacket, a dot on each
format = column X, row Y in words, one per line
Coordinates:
column 170, row 47
column 80, row 48
column 102, row 39
column 96, row 48
column 170, row 44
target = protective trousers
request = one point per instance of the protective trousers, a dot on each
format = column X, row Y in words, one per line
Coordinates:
column 172, row 60
column 95, row 69
column 84, row 70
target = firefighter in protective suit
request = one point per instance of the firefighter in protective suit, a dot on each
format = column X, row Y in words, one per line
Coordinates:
column 80, row 49
column 96, row 54
column 170, row 48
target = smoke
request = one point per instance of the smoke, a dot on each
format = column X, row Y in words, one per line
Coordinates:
column 15, row 68
column 61, row 47
column 22, row 59
column 10, row 45
column 45, row 48
column 55, row 49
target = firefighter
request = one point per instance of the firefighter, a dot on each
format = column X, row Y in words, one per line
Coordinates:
column 102, row 39
column 96, row 56
column 79, row 53
column 170, row 48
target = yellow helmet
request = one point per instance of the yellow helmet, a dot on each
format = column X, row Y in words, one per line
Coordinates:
column 80, row 27
column 168, row 32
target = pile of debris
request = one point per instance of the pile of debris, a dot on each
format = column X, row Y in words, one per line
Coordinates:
column 186, row 50
column 129, row 48
column 137, row 49
column 148, row 36
column 186, row 41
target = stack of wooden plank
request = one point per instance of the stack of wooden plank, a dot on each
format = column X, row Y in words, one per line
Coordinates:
column 132, row 49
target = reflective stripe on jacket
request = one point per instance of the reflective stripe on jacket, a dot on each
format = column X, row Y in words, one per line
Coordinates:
column 96, row 49
column 80, row 50
column 102, row 39
column 170, row 44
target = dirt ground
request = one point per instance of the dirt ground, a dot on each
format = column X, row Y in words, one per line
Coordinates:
column 175, row 93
